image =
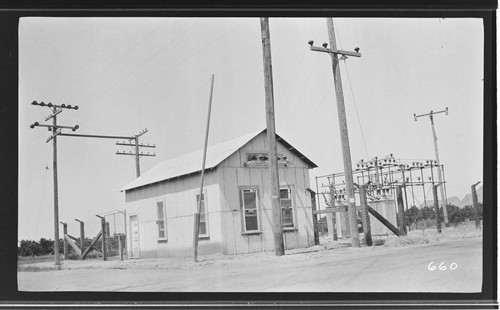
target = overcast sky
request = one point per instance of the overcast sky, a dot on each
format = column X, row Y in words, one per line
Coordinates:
column 127, row 74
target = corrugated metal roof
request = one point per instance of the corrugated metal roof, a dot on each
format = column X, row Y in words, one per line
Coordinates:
column 191, row 163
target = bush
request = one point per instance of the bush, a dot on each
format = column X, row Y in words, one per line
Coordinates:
column 322, row 226
column 426, row 216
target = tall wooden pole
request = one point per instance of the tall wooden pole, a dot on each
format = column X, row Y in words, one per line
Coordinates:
column 279, row 247
column 440, row 177
column 196, row 230
column 56, row 192
column 344, row 136
column 475, row 203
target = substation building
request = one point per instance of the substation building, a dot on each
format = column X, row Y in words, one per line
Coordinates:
column 236, row 215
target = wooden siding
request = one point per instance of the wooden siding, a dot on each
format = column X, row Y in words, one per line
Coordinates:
column 222, row 190
column 180, row 205
column 232, row 175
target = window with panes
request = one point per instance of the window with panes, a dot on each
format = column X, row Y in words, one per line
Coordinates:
column 250, row 210
column 286, row 208
column 162, row 221
column 203, row 231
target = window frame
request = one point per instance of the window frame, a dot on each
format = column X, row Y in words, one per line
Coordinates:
column 241, row 191
column 158, row 220
column 205, row 207
column 292, row 207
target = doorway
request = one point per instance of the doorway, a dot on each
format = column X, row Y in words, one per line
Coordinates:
column 134, row 232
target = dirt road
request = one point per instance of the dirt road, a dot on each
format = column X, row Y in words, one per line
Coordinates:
column 375, row 269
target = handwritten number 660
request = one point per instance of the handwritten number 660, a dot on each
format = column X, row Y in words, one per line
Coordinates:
column 441, row 266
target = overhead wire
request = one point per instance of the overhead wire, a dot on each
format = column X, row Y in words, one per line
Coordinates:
column 168, row 69
column 117, row 59
column 292, row 85
column 127, row 74
column 203, row 48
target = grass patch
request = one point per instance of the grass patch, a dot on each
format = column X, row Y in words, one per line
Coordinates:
column 416, row 237
column 23, row 260
column 378, row 242
column 35, row 268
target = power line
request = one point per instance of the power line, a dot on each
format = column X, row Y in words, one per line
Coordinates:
column 168, row 69
column 204, row 48
column 117, row 59
column 128, row 73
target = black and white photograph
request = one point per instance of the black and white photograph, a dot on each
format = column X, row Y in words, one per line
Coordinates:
column 251, row 154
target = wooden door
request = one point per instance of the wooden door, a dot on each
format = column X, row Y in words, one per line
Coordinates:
column 134, row 232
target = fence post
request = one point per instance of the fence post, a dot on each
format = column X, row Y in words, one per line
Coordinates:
column 475, row 203
column 65, row 244
column 333, row 215
column 401, row 218
column 436, row 206
column 365, row 217
column 107, row 234
column 120, row 249
column 314, row 216
column 104, row 240
column 103, row 237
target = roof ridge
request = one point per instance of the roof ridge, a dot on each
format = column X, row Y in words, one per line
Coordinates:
column 158, row 172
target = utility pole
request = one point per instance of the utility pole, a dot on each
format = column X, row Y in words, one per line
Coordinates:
column 56, row 130
column 136, row 145
column 440, row 178
column 346, row 152
column 200, row 197
column 279, row 247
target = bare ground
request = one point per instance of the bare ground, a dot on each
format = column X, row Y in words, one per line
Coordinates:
column 331, row 267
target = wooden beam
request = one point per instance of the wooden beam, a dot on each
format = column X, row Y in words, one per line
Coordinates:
column 70, row 236
column 334, row 51
column 86, row 252
column 73, row 245
column 331, row 210
column 341, row 208
column 387, row 224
